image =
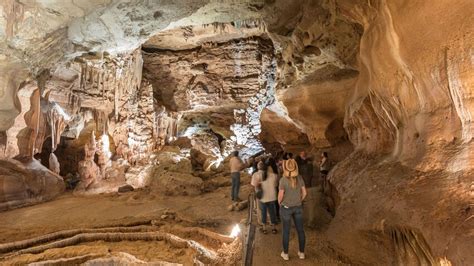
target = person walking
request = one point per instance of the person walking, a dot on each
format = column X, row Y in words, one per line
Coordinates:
column 236, row 165
column 255, row 182
column 290, row 197
column 265, row 180
column 324, row 169
column 273, row 166
column 305, row 167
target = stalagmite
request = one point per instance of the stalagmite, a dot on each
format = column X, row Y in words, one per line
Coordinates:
column 89, row 172
column 54, row 164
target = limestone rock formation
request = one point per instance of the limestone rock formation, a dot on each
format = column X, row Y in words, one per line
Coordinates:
column 88, row 169
column 230, row 81
column 54, row 164
column 27, row 183
column 413, row 105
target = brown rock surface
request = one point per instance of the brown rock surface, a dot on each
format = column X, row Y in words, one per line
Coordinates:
column 412, row 102
column 27, row 183
column 216, row 85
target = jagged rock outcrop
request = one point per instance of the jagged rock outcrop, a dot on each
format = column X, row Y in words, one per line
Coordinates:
column 316, row 49
column 27, row 183
column 279, row 133
column 233, row 81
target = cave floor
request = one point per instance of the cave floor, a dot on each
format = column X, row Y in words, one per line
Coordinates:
column 70, row 211
column 207, row 210
column 318, row 250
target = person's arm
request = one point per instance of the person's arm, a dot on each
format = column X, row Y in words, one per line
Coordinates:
column 303, row 193
column 281, row 192
column 243, row 165
column 322, row 161
column 254, row 181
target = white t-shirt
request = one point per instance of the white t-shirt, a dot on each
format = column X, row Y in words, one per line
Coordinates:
column 268, row 186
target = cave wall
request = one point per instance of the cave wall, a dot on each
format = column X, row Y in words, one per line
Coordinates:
column 409, row 118
column 316, row 50
column 415, row 73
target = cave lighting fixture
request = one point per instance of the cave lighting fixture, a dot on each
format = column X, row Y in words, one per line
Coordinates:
column 235, row 231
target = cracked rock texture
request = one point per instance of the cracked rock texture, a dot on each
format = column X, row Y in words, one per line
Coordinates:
column 227, row 81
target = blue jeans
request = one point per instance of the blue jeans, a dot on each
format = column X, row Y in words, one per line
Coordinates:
column 234, row 194
column 270, row 206
column 295, row 214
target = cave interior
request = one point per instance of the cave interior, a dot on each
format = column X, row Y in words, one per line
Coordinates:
column 118, row 119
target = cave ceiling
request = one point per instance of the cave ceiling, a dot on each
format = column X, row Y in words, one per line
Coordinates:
column 203, row 59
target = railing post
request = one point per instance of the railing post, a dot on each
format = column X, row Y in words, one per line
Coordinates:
column 250, row 236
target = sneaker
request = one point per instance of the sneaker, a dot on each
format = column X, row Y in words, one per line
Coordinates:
column 284, row 256
column 301, row 255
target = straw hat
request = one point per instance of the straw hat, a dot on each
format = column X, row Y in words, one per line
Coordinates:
column 290, row 168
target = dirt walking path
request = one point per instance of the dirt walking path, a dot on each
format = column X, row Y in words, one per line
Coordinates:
column 318, row 252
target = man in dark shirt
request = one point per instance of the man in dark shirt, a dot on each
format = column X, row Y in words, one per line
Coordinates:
column 305, row 166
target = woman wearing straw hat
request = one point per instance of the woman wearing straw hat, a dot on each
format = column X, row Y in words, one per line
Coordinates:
column 291, row 194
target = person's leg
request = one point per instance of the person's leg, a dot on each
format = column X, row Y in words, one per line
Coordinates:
column 237, row 186
column 257, row 209
column 277, row 209
column 271, row 210
column 263, row 209
column 298, row 219
column 232, row 190
column 286, row 221
column 323, row 180
column 307, row 181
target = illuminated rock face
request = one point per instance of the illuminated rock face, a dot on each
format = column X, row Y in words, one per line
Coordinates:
column 410, row 111
column 385, row 86
column 231, row 81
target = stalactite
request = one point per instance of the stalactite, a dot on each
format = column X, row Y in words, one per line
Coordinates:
column 93, row 82
column 56, row 118
column 36, row 108
column 91, row 78
column 101, row 84
column 116, row 102
column 13, row 13
column 81, row 80
column 117, row 80
column 85, row 77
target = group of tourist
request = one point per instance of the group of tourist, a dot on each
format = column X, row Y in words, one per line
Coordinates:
column 280, row 189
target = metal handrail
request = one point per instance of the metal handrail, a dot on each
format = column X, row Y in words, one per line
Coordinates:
column 250, row 238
